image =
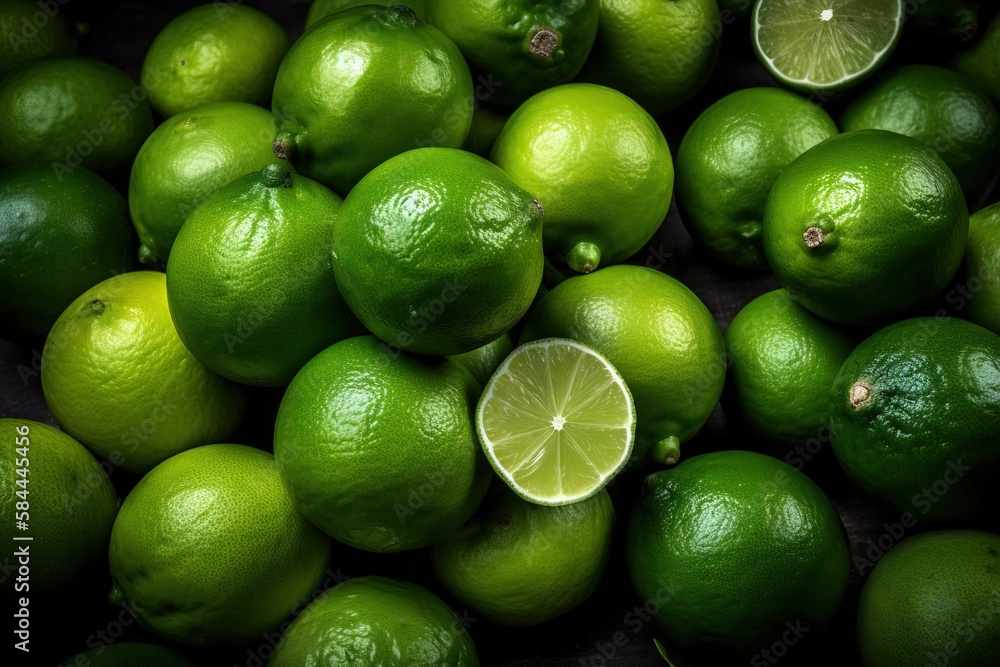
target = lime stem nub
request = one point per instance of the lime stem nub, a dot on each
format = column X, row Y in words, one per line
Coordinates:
column 861, row 393
column 813, row 237
column 666, row 451
column 584, row 257
column 400, row 15
column 542, row 44
column 276, row 176
column 96, row 307
column 284, row 146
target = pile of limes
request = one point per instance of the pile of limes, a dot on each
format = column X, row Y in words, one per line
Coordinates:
column 431, row 243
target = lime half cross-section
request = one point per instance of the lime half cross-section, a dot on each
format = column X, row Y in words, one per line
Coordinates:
column 557, row 421
column 825, row 45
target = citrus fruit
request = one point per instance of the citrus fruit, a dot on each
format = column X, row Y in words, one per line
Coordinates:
column 486, row 125
column 320, row 9
column 524, row 46
column 784, row 360
column 914, row 412
column 58, row 237
column 378, row 447
column 730, row 158
column 186, row 159
column 217, row 52
column 933, row 599
column 732, row 546
column 822, row 46
column 370, row 621
column 982, row 268
column 946, row 17
column 250, row 283
column 981, row 62
column 129, row 654
column 556, row 421
column 940, row 108
column 598, row 164
column 52, row 484
column 23, row 39
column 72, row 112
column 118, row 378
column 365, row 85
column 660, row 337
column 482, row 361
column 864, row 225
column 518, row 563
column 658, row 53
column 209, row 549
column 438, row 252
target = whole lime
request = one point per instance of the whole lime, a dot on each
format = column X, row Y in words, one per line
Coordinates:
column 864, row 225
column 486, row 125
column 438, row 252
column 784, row 360
column 118, row 378
column 250, row 282
column 186, row 160
column 482, row 361
column 365, row 85
column 659, row 336
column 730, row 158
column 320, row 9
column 940, row 108
column 981, row 62
column 129, row 654
column 598, row 164
column 913, row 416
column 209, row 549
column 378, row 447
column 219, row 52
column 933, row 599
column 734, row 545
column 369, row 621
column 518, row 563
column 59, row 236
column 56, row 495
column 22, row 38
column 982, row 268
column 72, row 112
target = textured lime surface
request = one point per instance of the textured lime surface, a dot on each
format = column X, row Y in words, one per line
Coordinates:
column 482, row 361
column 320, row 9
column 209, row 549
column 981, row 63
column 18, row 44
column 982, row 268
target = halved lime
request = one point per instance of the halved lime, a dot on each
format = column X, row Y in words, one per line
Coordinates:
column 825, row 45
column 556, row 421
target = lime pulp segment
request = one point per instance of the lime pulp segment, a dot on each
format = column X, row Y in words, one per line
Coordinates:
column 825, row 45
column 557, row 421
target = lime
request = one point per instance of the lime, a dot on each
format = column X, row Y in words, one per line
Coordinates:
column 732, row 546
column 250, row 281
column 556, row 421
column 730, row 158
column 218, row 52
column 129, row 654
column 914, row 413
column 981, row 62
column 438, row 252
column 52, row 484
column 483, row 361
column 373, row 621
column 825, row 45
column 598, row 164
column 521, row 46
column 59, row 236
column 22, row 38
column 365, row 85
column 486, row 125
column 660, row 337
column 320, row 9
column 518, row 563
column 784, row 360
column 864, row 225
column 378, row 447
column 933, row 599
column 188, row 158
column 658, row 53
column 982, row 268
column 946, row 17
column 72, row 112
column 209, row 549
column 117, row 377
column 940, row 108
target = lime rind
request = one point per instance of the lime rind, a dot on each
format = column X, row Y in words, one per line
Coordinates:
column 825, row 45
column 556, row 421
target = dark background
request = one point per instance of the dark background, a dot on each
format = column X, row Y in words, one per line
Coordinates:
column 605, row 630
